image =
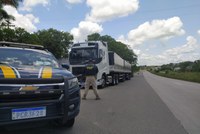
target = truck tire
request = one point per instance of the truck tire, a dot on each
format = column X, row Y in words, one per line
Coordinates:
column 113, row 80
column 123, row 77
column 128, row 76
column 103, row 84
column 117, row 79
column 67, row 124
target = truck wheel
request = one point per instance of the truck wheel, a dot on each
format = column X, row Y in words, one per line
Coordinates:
column 113, row 80
column 67, row 124
column 116, row 79
column 123, row 78
column 103, row 84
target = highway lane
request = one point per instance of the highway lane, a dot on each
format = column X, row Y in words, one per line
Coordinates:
column 183, row 99
column 132, row 107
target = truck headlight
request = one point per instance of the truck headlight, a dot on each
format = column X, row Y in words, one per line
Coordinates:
column 73, row 83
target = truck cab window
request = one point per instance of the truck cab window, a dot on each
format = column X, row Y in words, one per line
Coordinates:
column 83, row 55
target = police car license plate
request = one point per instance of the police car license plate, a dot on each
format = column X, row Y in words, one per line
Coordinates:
column 27, row 113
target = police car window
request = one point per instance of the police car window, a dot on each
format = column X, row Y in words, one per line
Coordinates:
column 19, row 57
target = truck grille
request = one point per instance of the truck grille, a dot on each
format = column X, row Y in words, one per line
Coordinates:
column 78, row 70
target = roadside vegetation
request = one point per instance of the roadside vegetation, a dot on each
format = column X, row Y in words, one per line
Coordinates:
column 189, row 71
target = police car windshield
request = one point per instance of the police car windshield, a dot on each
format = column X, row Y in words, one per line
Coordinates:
column 26, row 57
column 82, row 55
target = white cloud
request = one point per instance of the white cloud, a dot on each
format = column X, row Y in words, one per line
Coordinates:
column 74, row 1
column 122, row 39
column 137, row 51
column 28, row 4
column 24, row 21
column 198, row 32
column 157, row 29
column 103, row 10
column 187, row 52
column 148, row 59
column 84, row 29
column 189, row 47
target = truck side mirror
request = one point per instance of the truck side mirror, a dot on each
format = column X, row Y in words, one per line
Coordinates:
column 101, row 53
column 66, row 66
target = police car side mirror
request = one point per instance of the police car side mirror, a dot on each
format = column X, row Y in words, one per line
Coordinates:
column 66, row 66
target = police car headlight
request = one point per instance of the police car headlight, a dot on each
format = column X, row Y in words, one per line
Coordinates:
column 73, row 83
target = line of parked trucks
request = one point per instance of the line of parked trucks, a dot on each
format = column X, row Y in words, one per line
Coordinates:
column 112, row 68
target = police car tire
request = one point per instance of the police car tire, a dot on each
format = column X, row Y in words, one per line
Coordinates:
column 67, row 124
column 70, row 123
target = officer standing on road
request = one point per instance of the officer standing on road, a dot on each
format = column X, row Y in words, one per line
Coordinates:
column 91, row 71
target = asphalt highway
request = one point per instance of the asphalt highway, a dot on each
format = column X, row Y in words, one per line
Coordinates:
column 182, row 98
column 132, row 107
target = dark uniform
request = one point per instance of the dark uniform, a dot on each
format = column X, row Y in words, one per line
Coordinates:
column 91, row 71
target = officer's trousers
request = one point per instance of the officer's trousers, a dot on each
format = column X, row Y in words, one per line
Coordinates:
column 90, row 80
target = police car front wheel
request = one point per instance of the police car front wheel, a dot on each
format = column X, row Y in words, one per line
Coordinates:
column 67, row 124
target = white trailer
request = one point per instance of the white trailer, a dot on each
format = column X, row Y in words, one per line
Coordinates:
column 112, row 68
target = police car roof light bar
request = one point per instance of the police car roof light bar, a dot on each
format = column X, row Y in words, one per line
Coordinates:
column 21, row 45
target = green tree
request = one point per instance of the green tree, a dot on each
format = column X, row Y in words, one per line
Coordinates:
column 22, row 36
column 107, row 38
column 7, row 34
column 196, row 66
column 167, row 67
column 118, row 47
column 18, row 35
column 185, row 65
column 4, row 16
column 57, row 42
column 94, row 37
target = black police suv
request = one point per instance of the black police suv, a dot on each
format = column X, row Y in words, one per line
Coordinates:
column 34, row 87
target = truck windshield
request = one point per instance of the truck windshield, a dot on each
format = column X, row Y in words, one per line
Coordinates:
column 82, row 55
column 27, row 57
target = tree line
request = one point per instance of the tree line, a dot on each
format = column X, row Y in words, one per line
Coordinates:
column 57, row 42
column 187, row 66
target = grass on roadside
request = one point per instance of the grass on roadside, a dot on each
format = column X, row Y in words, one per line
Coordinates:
column 188, row 76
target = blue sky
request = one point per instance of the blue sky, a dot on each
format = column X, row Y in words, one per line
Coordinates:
column 159, row 31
